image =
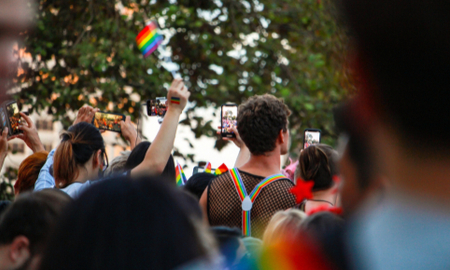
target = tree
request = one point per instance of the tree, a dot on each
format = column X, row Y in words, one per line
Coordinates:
column 227, row 50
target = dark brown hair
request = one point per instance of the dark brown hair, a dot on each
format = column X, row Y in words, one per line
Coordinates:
column 33, row 215
column 78, row 144
column 29, row 171
column 317, row 163
column 259, row 122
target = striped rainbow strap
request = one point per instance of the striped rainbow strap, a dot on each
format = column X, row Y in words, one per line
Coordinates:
column 248, row 200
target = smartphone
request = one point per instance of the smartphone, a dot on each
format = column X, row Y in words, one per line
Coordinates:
column 108, row 121
column 311, row 136
column 157, row 107
column 228, row 120
column 10, row 117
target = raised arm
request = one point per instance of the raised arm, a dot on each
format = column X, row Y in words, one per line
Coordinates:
column 244, row 153
column 129, row 132
column 158, row 153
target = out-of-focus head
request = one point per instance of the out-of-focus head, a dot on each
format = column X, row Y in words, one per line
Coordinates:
column 82, row 147
column 138, row 155
column 230, row 244
column 26, row 225
column 318, row 163
column 321, row 224
column 29, row 171
column 117, row 165
column 261, row 121
column 139, row 224
column 198, row 183
column 283, row 224
column 402, row 65
column 16, row 16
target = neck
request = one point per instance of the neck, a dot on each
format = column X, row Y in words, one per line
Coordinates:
column 83, row 175
column 263, row 165
column 325, row 195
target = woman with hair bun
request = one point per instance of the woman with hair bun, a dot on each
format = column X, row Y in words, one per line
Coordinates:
column 317, row 163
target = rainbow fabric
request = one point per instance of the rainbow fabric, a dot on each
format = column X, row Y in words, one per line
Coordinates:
column 181, row 178
column 240, row 188
column 175, row 100
column 208, row 168
column 222, row 169
column 149, row 39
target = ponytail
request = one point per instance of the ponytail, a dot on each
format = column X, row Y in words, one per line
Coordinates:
column 317, row 163
column 78, row 144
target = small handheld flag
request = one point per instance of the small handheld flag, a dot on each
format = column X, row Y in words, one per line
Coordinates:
column 181, row 178
column 222, row 168
column 149, row 39
column 208, row 168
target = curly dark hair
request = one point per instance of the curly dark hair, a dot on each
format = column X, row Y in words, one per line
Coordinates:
column 259, row 122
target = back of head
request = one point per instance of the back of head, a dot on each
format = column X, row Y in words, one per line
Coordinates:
column 34, row 216
column 78, row 145
column 117, row 165
column 138, row 155
column 259, row 122
column 228, row 240
column 125, row 224
column 317, row 163
column 321, row 224
column 198, row 183
column 29, row 171
column 403, row 47
column 283, row 224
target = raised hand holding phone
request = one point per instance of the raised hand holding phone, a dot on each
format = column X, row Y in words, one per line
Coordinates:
column 85, row 114
column 129, row 132
column 29, row 134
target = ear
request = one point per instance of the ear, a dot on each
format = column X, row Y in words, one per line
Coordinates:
column 19, row 251
column 281, row 136
column 97, row 161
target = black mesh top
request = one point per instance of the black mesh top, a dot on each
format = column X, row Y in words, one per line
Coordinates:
column 225, row 206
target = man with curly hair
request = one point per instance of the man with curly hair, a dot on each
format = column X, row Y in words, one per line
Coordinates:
column 262, row 124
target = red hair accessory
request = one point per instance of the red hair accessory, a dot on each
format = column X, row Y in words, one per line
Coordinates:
column 303, row 190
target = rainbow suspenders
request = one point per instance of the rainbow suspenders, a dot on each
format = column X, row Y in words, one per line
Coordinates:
column 248, row 200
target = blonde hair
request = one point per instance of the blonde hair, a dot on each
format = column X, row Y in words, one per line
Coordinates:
column 283, row 223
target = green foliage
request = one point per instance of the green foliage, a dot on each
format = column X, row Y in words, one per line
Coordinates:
column 292, row 49
column 6, row 186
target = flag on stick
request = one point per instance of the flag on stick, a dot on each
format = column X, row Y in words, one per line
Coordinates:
column 208, row 168
column 181, row 178
column 222, row 168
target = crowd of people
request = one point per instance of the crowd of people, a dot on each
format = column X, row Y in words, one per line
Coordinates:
column 378, row 200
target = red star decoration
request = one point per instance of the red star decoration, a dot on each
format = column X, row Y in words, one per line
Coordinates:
column 303, row 190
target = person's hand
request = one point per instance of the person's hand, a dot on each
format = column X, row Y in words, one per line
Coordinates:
column 30, row 134
column 129, row 132
column 237, row 141
column 177, row 96
column 85, row 114
column 4, row 143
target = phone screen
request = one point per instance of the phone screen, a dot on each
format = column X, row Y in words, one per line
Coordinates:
column 312, row 137
column 14, row 118
column 108, row 121
column 229, row 120
column 157, row 107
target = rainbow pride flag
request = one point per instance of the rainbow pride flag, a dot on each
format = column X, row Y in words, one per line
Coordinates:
column 208, row 168
column 222, row 168
column 181, row 178
column 149, row 39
